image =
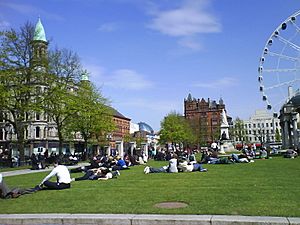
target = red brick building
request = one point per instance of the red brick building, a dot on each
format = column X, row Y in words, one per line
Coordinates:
column 122, row 126
column 205, row 118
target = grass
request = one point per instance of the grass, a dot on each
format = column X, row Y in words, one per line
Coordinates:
column 264, row 188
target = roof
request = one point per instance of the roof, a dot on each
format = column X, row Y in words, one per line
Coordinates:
column 39, row 32
column 145, row 127
column 116, row 113
column 295, row 100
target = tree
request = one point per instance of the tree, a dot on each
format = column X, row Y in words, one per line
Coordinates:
column 239, row 130
column 175, row 129
column 63, row 73
column 277, row 135
column 93, row 117
column 17, row 81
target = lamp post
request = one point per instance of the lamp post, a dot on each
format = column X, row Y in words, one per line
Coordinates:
column 8, row 137
column 109, row 138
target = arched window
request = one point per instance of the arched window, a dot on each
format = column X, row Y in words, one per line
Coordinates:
column 37, row 132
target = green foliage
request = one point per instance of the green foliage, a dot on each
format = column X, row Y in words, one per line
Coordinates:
column 239, row 131
column 277, row 135
column 175, row 129
column 92, row 117
column 261, row 188
column 17, row 80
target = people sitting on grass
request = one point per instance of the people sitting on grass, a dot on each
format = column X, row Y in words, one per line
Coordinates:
column 101, row 173
column 63, row 178
column 120, row 164
column 263, row 153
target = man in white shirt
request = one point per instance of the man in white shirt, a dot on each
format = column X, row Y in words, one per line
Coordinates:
column 63, row 178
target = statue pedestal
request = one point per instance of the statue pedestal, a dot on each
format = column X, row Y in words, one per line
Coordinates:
column 226, row 146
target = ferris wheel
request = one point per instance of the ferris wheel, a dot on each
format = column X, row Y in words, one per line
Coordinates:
column 279, row 65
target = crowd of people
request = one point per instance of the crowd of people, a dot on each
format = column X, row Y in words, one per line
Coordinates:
column 42, row 161
column 104, row 167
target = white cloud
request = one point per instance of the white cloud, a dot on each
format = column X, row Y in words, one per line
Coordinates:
column 125, row 79
column 128, row 79
column 190, row 19
column 221, row 83
column 108, row 27
column 186, row 22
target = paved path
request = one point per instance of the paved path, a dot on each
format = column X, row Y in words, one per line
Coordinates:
column 142, row 219
column 26, row 171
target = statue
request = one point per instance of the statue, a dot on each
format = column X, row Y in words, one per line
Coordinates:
column 225, row 143
column 223, row 136
column 224, row 118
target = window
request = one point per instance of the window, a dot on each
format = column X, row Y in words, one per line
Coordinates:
column 37, row 116
column 26, row 133
column 267, row 125
column 254, row 125
column 37, row 132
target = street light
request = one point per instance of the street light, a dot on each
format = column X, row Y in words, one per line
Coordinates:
column 8, row 130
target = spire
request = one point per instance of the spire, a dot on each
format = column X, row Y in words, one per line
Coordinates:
column 85, row 76
column 189, row 98
column 39, row 32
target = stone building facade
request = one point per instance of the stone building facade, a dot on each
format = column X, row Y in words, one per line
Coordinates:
column 205, row 118
column 260, row 128
column 41, row 131
column 290, row 123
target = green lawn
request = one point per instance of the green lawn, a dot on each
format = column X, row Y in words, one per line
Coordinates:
column 264, row 188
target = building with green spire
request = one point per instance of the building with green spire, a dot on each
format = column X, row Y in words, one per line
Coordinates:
column 39, row 32
column 39, row 130
column 39, row 61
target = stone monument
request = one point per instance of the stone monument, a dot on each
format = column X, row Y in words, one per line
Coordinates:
column 225, row 143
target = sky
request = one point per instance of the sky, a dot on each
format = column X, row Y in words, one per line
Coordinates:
column 146, row 56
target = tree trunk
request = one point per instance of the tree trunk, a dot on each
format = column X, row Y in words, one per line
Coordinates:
column 19, row 130
column 60, row 141
column 86, row 148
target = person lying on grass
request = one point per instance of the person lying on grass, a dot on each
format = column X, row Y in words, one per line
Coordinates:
column 184, row 166
column 101, row 173
column 6, row 192
column 171, row 168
